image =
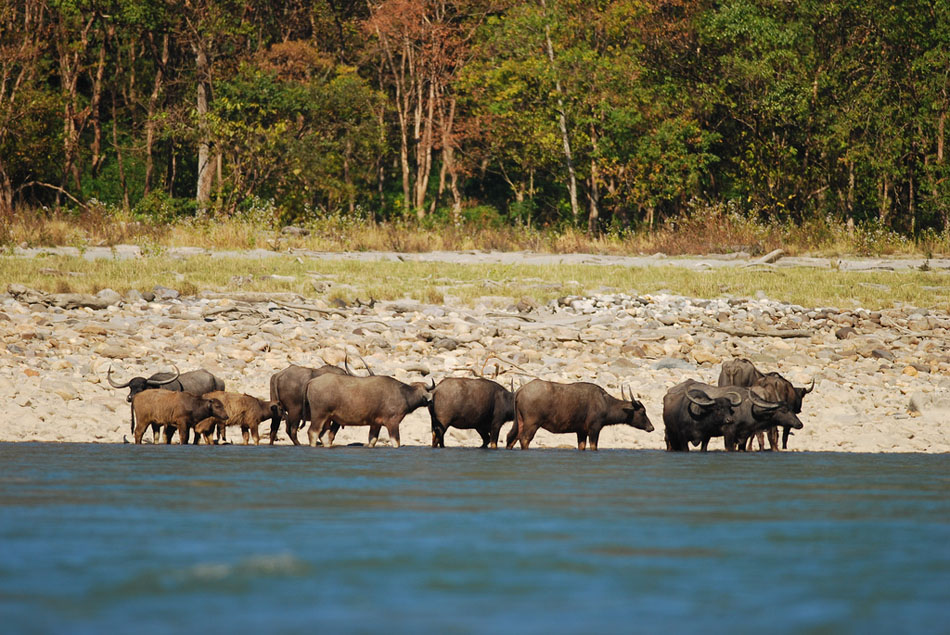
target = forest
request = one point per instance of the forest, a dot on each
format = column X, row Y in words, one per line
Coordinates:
column 603, row 115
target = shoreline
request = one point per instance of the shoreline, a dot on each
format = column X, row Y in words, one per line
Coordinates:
column 882, row 377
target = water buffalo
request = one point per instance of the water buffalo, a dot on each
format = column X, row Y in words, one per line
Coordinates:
column 333, row 401
column 472, row 404
column 197, row 382
column 755, row 414
column 288, row 389
column 176, row 410
column 243, row 410
column 694, row 412
column 582, row 408
column 742, row 372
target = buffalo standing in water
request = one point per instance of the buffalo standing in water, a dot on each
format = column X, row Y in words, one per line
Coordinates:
column 342, row 400
column 694, row 412
column 743, row 373
column 197, row 382
column 582, row 408
column 471, row 404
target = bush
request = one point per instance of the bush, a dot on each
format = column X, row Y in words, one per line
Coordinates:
column 160, row 208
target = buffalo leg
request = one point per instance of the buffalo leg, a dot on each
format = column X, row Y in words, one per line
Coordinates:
column 785, row 433
column 526, row 435
column 314, row 432
column 256, row 434
column 183, row 435
column 373, row 436
column 438, row 436
column 274, row 427
column 393, row 430
column 245, row 435
column 156, row 432
column 138, row 432
column 581, row 440
column 513, row 433
column 486, row 437
column 594, row 437
column 292, row 427
column 493, row 435
column 331, row 434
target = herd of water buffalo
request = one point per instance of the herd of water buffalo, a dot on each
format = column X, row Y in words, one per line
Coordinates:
column 745, row 405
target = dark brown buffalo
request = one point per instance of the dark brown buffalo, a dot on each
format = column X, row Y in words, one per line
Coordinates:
column 243, row 410
column 342, row 400
column 582, row 408
column 694, row 412
column 755, row 414
column 742, row 372
column 175, row 410
column 197, row 382
column 288, row 389
column 470, row 404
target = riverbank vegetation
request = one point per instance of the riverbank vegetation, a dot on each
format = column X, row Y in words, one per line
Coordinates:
column 614, row 126
column 344, row 280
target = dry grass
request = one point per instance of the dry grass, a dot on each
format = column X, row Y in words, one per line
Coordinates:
column 467, row 284
column 705, row 230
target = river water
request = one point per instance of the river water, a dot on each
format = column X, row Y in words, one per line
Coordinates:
column 113, row 538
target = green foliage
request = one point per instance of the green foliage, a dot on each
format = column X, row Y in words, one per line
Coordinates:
column 160, row 208
column 801, row 114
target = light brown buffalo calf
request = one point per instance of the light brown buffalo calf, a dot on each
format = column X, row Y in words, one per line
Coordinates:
column 179, row 411
column 242, row 410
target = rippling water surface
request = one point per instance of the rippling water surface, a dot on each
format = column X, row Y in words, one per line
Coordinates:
column 105, row 538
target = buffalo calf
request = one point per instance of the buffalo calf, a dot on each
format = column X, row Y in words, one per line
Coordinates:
column 243, row 410
column 179, row 411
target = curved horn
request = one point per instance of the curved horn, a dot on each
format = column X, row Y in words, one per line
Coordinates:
column 810, row 388
column 512, row 383
column 346, row 364
column 112, row 383
column 622, row 396
column 630, row 393
column 431, row 384
column 368, row 369
column 699, row 398
column 734, row 398
column 761, row 403
column 167, row 381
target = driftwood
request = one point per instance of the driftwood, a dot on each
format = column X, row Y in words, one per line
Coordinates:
column 785, row 333
column 307, row 307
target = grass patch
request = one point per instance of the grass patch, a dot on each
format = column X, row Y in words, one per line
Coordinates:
column 704, row 229
column 441, row 282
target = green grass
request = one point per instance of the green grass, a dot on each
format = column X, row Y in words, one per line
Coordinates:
column 435, row 282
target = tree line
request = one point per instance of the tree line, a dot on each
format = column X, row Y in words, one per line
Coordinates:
column 598, row 113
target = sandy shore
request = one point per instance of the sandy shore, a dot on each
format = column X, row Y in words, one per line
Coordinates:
column 882, row 383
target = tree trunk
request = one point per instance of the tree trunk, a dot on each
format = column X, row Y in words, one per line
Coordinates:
column 940, row 203
column 205, row 166
column 885, row 203
column 423, row 142
column 150, row 117
column 347, row 178
column 118, row 155
column 562, row 121
column 448, row 153
column 94, row 106
column 594, row 194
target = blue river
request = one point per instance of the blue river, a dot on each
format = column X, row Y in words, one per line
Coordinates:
column 162, row 539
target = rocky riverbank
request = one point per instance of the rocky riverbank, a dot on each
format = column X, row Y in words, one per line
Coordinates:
column 882, row 378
